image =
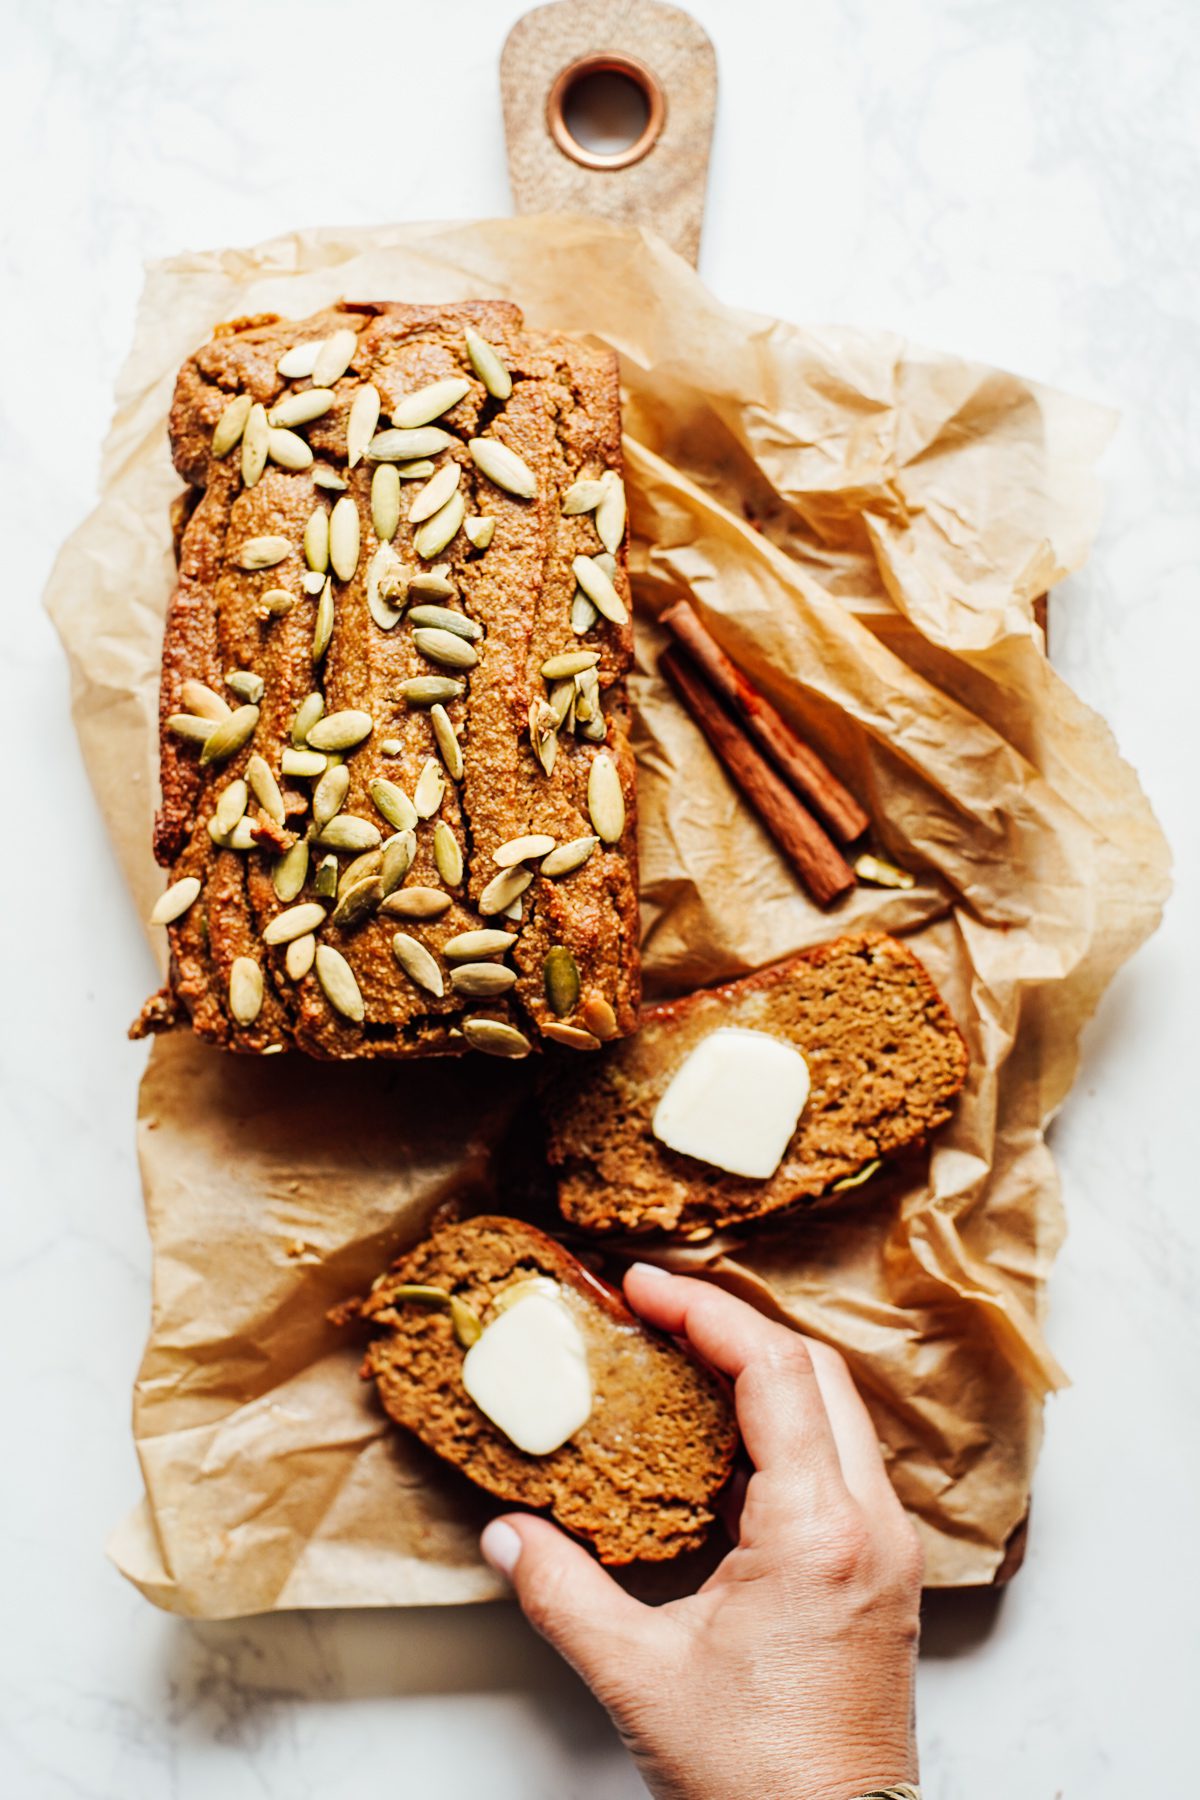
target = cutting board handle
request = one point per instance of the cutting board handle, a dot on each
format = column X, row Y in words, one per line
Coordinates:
column 660, row 179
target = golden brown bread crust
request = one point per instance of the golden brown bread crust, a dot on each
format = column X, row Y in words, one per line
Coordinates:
column 637, row 1481
column 563, row 419
column 885, row 1058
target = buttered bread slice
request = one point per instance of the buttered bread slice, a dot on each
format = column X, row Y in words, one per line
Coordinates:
column 515, row 1364
column 741, row 1100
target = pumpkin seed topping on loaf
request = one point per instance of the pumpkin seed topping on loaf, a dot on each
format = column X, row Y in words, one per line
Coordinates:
column 637, row 1479
column 885, row 1059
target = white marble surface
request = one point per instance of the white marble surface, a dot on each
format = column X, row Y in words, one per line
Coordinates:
column 1015, row 179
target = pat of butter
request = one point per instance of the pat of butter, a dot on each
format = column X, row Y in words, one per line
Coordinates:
column 734, row 1102
column 529, row 1372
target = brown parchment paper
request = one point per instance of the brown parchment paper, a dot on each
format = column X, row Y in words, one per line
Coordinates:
column 866, row 527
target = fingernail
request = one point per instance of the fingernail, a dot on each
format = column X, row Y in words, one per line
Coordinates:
column 501, row 1546
column 640, row 1268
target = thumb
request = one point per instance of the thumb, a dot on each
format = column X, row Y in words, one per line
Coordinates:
column 574, row 1603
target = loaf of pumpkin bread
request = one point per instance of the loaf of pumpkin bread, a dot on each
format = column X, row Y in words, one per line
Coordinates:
column 397, row 791
column 654, row 1438
column 883, row 1061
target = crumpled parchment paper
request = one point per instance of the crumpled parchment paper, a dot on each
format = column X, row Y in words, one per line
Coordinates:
column 865, row 527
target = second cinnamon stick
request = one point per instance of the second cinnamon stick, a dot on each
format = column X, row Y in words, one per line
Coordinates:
column 807, row 847
column 800, row 766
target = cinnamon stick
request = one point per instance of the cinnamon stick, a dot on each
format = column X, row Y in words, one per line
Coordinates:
column 800, row 766
column 811, row 853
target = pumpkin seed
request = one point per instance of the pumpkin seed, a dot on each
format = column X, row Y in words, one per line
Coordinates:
column 265, row 788
column 357, row 902
column 582, row 497
column 203, row 702
column 610, row 514
column 408, row 446
column 387, row 587
column 447, row 854
column 431, row 538
column 261, row 552
column 369, row 863
column 607, row 563
column 446, row 739
column 229, row 427
column 416, row 470
column 300, row 361
column 289, row 450
column 425, row 690
column 433, row 496
column 333, row 357
column 343, row 537
column 406, row 1291
column 175, row 900
column 254, row 445
column 301, row 408
column 569, row 857
column 191, row 726
column 417, row 963
column 275, row 603
column 560, row 977
column 503, row 467
column 480, row 531
column 345, row 831
column 468, row 1328
column 487, row 365
column 882, row 873
column 341, row 730
column 312, row 581
column 360, row 425
column 495, row 1038
column 326, row 878
column 427, row 795
column 385, row 502
column 583, row 613
column 514, row 910
column 432, row 581
column 393, row 803
column 473, row 945
column 240, row 838
column 569, row 1035
column 396, row 860
column 597, row 585
column 416, row 903
column 290, row 872
column 390, row 747
column 294, row 923
column 595, row 731
column 299, row 955
column 543, row 735
column 230, row 735
column 429, row 403
column 338, row 984
column 329, row 479
column 304, row 763
column 858, row 1178
column 562, row 704
column 308, row 712
column 446, row 648
column 598, row 1016
column 231, row 806
column 606, row 802
column 323, row 622
column 503, row 889
column 441, row 618
column 329, row 795
column 521, row 849
column 571, row 662
column 246, row 685
column 481, row 981
column 316, row 540
column 245, row 990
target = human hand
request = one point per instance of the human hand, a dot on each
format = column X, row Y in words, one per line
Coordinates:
column 789, row 1675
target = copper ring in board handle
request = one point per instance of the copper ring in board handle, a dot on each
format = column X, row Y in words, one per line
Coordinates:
column 606, row 62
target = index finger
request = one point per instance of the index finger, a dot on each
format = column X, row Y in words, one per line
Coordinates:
column 780, row 1407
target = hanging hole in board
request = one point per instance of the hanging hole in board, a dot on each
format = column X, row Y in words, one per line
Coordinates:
column 606, row 111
